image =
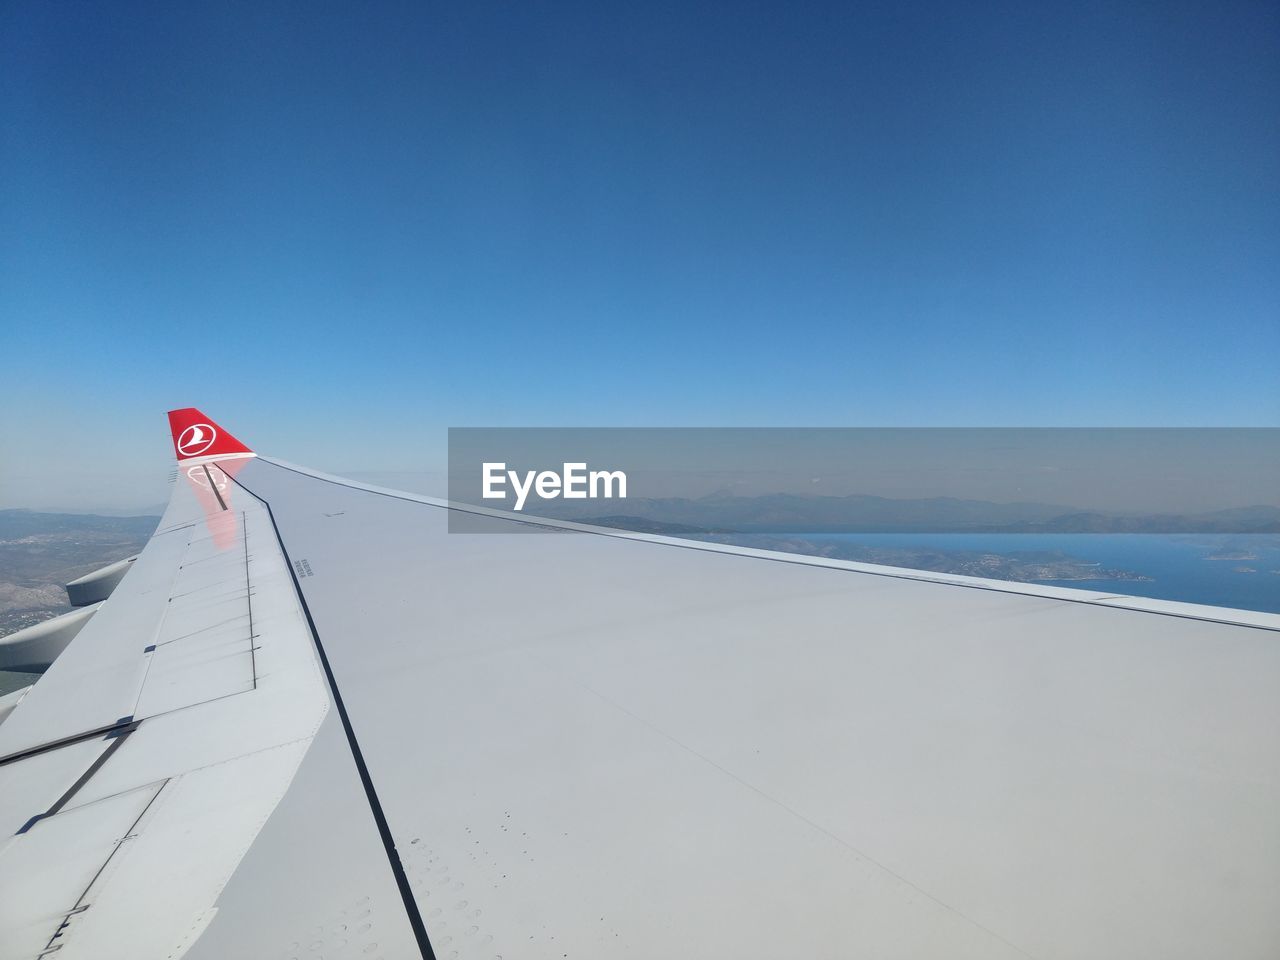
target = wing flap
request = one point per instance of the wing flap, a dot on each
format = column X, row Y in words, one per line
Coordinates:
column 51, row 873
column 204, row 646
column 206, row 688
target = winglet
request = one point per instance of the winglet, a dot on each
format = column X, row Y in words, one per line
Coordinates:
column 196, row 437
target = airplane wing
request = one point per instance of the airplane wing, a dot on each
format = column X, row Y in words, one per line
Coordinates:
column 310, row 723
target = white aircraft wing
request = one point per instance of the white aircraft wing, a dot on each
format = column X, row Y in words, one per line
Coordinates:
column 310, row 723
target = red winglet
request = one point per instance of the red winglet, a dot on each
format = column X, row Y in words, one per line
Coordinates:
column 195, row 436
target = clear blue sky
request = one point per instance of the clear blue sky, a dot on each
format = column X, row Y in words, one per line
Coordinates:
column 341, row 229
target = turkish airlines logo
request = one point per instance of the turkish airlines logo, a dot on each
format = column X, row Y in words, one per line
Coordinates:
column 196, row 439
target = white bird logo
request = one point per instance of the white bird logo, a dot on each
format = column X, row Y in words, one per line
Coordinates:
column 196, row 439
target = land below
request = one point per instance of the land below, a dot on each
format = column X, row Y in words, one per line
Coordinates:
column 40, row 552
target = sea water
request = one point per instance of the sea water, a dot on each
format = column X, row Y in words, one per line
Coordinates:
column 1181, row 566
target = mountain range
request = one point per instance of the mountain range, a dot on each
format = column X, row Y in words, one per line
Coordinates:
column 798, row 513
